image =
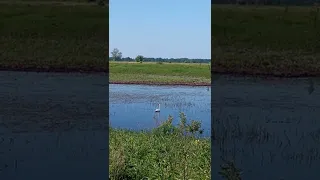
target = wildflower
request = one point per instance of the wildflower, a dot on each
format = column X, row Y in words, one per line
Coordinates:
column 197, row 141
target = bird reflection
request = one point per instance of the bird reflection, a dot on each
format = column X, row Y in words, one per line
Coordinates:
column 156, row 118
column 311, row 86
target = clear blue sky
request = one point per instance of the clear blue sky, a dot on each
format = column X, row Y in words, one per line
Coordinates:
column 161, row 28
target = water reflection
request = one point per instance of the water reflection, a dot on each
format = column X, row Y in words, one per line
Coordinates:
column 268, row 127
column 311, row 86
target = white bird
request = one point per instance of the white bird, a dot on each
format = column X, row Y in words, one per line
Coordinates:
column 157, row 110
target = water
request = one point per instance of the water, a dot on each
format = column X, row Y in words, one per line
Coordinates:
column 133, row 106
column 56, row 155
column 53, row 126
column 269, row 127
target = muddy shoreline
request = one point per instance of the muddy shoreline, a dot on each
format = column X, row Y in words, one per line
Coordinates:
column 161, row 84
column 57, row 70
column 259, row 73
column 216, row 71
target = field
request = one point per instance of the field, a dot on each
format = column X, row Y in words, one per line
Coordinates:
column 159, row 73
column 158, row 154
column 266, row 40
column 51, row 36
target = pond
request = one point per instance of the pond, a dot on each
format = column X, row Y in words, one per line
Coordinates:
column 133, row 106
column 268, row 127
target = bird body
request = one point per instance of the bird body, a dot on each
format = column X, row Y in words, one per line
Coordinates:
column 157, row 110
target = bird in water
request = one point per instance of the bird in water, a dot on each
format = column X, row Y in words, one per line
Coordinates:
column 157, row 110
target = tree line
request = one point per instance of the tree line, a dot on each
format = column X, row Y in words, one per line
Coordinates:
column 116, row 55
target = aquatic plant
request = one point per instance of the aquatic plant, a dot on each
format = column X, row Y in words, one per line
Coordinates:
column 229, row 171
column 236, row 138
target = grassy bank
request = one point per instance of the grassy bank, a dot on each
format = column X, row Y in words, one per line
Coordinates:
column 266, row 40
column 53, row 37
column 162, row 153
column 159, row 73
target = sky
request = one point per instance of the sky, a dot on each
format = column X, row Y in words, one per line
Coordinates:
column 160, row 28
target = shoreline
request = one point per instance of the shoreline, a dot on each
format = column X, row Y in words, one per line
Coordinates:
column 160, row 84
column 51, row 2
column 214, row 72
column 57, row 70
column 258, row 73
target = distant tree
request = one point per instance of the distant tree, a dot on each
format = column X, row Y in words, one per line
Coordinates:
column 116, row 54
column 127, row 59
column 139, row 59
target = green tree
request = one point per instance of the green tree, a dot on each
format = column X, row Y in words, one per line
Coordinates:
column 139, row 59
column 116, row 54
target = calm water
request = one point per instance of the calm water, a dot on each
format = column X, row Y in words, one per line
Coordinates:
column 53, row 126
column 270, row 128
column 133, row 106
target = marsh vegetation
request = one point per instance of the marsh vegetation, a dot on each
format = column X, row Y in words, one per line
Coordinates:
column 165, row 152
column 160, row 73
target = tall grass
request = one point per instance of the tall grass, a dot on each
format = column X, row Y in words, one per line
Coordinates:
column 166, row 152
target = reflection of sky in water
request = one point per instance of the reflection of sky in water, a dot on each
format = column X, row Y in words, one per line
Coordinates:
column 269, row 127
column 132, row 106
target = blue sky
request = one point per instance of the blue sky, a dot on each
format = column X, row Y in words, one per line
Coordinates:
column 161, row 28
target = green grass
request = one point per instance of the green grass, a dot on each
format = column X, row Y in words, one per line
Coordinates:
column 265, row 39
column 54, row 37
column 159, row 73
column 158, row 154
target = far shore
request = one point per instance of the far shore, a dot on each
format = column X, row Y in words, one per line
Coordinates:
column 163, row 84
column 277, row 74
column 57, row 70
column 217, row 71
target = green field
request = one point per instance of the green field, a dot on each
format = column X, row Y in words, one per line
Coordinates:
column 53, row 37
column 266, row 40
column 158, row 154
column 160, row 73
